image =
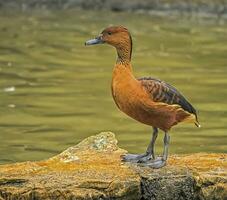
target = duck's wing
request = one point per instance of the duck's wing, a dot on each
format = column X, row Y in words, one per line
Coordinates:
column 161, row 91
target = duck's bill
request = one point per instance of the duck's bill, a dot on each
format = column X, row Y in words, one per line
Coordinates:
column 94, row 41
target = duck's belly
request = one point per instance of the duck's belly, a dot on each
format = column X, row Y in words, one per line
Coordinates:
column 137, row 104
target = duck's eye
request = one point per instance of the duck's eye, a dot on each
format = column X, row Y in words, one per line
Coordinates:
column 109, row 33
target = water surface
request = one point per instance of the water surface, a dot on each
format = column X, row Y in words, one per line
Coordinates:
column 54, row 91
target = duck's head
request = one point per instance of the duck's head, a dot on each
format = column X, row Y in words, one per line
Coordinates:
column 117, row 36
column 114, row 35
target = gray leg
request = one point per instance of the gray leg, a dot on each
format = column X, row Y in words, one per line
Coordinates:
column 166, row 146
column 150, row 148
column 143, row 158
column 161, row 161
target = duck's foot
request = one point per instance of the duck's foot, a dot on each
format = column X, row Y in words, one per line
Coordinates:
column 148, row 158
column 157, row 163
column 145, row 160
column 137, row 158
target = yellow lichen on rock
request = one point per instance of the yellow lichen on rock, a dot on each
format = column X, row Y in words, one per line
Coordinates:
column 93, row 170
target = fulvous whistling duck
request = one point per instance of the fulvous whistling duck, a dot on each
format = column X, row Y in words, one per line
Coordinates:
column 147, row 100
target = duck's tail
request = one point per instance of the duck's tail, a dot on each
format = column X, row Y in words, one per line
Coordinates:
column 197, row 124
column 197, row 121
column 193, row 119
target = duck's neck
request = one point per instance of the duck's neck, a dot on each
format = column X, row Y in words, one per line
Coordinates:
column 123, row 55
column 123, row 59
column 124, row 52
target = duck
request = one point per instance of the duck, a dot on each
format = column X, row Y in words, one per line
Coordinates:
column 147, row 100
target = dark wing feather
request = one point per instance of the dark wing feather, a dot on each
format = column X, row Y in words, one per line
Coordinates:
column 163, row 92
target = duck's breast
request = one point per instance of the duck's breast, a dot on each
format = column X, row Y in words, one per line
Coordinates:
column 128, row 93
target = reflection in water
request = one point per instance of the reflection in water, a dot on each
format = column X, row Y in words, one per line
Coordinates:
column 55, row 92
column 9, row 89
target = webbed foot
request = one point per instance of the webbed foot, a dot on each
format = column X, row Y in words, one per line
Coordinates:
column 136, row 158
column 159, row 162
column 148, row 158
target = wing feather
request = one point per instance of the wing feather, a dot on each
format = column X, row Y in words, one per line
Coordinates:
column 161, row 91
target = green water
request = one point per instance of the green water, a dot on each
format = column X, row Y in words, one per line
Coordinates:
column 54, row 91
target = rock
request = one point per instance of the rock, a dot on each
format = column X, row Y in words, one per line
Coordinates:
column 93, row 170
column 197, row 176
column 89, row 170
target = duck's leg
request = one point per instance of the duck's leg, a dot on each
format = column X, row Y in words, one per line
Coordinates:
column 161, row 161
column 150, row 148
column 143, row 158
